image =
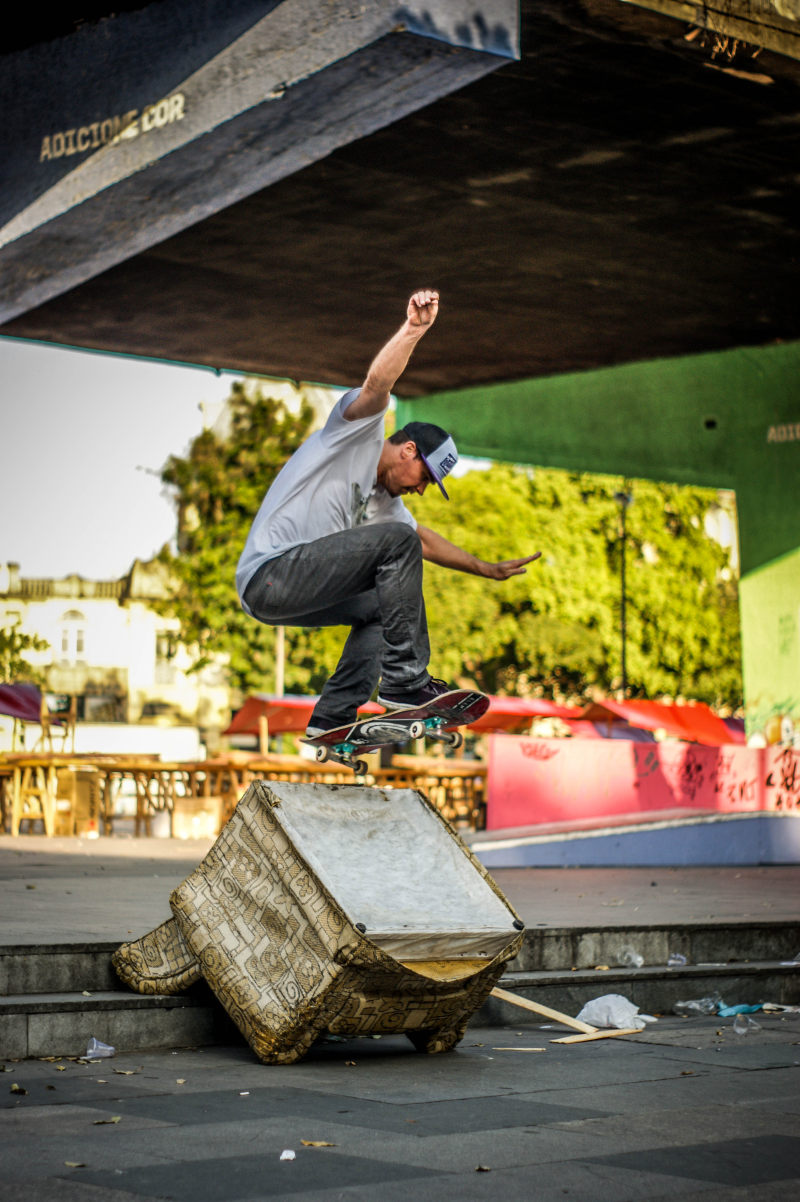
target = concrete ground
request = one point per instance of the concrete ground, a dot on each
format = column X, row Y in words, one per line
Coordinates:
column 687, row 1109
column 72, row 890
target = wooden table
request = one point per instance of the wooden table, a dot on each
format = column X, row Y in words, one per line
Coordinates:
column 34, row 784
column 37, row 782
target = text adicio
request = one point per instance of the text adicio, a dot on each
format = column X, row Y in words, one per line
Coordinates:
column 787, row 433
column 112, row 130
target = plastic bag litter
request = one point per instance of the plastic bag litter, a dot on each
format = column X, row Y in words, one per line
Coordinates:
column 699, row 1005
column 676, row 960
column 729, row 1011
column 630, row 958
column 744, row 1025
column 97, row 1050
column 614, row 1010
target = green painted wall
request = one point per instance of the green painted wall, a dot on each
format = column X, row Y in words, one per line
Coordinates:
column 769, row 600
column 729, row 420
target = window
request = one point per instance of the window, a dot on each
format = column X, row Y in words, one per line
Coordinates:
column 166, row 650
column 73, row 636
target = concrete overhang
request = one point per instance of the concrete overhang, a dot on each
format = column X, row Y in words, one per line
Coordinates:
column 622, row 190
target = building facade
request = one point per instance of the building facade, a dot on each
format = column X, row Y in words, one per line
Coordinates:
column 111, row 649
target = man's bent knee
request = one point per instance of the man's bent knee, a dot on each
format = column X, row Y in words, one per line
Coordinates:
column 406, row 539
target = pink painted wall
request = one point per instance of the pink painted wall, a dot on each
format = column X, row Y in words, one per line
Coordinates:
column 557, row 780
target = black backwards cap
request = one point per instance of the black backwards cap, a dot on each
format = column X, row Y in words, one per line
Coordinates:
column 436, row 449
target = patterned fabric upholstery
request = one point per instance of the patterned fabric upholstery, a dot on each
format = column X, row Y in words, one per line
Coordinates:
column 285, row 960
column 159, row 962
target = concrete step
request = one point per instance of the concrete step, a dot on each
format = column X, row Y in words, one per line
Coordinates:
column 56, row 968
column 61, row 1024
column 550, row 949
column 655, row 990
column 62, row 967
column 57, row 996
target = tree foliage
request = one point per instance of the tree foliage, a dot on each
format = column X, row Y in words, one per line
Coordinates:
column 554, row 631
column 15, row 667
column 218, row 488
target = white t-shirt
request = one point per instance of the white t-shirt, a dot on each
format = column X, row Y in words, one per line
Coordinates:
column 329, row 484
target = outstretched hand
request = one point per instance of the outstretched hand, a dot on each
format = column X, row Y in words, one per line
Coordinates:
column 423, row 307
column 509, row 567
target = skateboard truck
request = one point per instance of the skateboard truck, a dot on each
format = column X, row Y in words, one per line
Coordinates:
column 398, row 731
column 342, row 753
column 434, row 729
column 402, row 730
column 439, row 720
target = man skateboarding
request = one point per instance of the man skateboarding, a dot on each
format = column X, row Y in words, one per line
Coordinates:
column 333, row 544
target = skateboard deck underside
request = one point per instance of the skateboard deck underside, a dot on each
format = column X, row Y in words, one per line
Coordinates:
column 457, row 708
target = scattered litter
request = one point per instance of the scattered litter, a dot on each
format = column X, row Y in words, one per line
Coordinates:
column 107, row 1122
column 17, row 1089
column 676, row 960
column 777, row 1008
column 350, row 1063
column 180, row 1080
column 700, row 1005
column 61, row 1068
column 789, row 963
column 317, row 1143
column 86, row 993
column 729, row 1011
column 75, row 1164
column 244, row 1093
column 97, row 1050
column 126, row 1072
column 482, row 1168
column 630, row 958
column 613, row 1010
column 287, row 1154
column 744, row 1025
column 602, row 967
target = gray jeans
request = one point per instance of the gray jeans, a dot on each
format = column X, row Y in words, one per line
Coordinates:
column 368, row 578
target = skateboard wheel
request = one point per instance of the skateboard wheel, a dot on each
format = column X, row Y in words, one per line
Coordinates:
column 454, row 739
column 321, row 754
column 416, row 730
column 360, row 767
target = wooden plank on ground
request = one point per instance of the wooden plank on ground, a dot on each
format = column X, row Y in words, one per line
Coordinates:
column 598, row 1035
column 515, row 999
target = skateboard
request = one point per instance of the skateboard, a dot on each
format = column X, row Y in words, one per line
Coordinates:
column 438, row 720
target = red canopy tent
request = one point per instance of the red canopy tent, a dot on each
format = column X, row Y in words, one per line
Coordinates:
column 284, row 715
column 21, row 701
column 513, row 713
column 290, row 714
column 694, row 721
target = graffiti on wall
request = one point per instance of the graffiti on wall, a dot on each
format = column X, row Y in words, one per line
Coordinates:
column 783, row 779
column 551, row 780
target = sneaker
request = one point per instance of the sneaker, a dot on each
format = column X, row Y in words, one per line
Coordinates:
column 319, row 726
column 396, row 699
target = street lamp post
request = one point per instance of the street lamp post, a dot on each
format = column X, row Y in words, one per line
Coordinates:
column 623, row 499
